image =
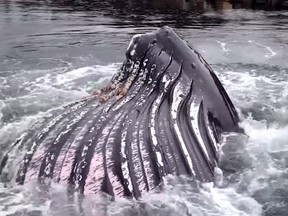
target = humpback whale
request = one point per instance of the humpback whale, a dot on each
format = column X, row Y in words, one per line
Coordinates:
column 163, row 113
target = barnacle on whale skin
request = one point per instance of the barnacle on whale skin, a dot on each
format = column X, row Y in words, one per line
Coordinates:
column 118, row 87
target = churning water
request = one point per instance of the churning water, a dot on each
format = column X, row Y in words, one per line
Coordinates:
column 55, row 53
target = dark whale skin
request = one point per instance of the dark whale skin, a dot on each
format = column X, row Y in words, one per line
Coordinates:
column 163, row 113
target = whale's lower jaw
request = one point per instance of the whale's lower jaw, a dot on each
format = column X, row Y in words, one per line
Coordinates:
column 163, row 113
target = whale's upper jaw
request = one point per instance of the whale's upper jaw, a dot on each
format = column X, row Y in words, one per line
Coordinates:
column 147, row 47
column 164, row 37
column 141, row 43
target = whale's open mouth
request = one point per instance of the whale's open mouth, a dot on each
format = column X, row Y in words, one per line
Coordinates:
column 163, row 113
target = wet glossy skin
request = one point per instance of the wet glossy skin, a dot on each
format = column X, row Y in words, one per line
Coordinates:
column 163, row 113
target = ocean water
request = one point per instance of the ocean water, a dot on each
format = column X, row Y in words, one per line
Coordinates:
column 55, row 52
